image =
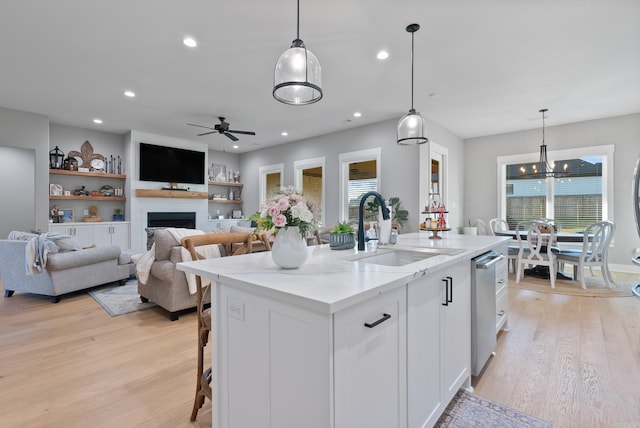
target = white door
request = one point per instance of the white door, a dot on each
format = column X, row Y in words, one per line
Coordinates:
column 423, row 341
column 370, row 369
column 456, row 331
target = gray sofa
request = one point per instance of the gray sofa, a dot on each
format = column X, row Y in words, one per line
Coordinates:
column 65, row 272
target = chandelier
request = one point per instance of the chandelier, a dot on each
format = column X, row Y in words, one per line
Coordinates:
column 543, row 169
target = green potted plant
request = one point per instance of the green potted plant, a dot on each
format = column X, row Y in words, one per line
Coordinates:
column 117, row 215
column 342, row 236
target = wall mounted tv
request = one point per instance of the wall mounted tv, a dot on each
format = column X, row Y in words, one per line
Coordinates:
column 170, row 164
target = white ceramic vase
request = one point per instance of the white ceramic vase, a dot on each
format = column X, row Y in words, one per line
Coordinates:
column 289, row 250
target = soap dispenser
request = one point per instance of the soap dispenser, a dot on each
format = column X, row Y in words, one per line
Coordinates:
column 384, row 234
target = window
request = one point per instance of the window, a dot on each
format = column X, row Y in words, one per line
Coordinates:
column 359, row 173
column 270, row 180
column 582, row 197
column 309, row 178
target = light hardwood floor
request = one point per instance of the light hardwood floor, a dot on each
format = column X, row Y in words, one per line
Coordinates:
column 574, row 361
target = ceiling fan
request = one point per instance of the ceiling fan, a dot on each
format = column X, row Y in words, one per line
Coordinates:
column 222, row 128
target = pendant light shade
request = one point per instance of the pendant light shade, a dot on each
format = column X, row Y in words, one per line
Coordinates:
column 412, row 128
column 297, row 76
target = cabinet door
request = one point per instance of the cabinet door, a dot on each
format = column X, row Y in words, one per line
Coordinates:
column 120, row 235
column 369, row 358
column 456, row 331
column 81, row 232
column 102, row 234
column 423, row 344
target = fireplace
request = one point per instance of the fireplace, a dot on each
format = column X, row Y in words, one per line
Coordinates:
column 186, row 220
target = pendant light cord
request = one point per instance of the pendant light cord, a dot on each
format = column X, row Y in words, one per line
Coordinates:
column 412, row 39
column 298, row 22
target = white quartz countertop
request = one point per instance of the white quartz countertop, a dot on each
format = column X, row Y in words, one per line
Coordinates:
column 329, row 281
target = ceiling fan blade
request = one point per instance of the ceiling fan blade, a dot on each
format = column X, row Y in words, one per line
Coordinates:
column 242, row 132
column 232, row 137
column 199, row 126
column 207, row 133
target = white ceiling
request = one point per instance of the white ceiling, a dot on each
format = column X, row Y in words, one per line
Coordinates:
column 492, row 63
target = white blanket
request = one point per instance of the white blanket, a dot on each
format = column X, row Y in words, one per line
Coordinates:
column 143, row 263
column 206, row 251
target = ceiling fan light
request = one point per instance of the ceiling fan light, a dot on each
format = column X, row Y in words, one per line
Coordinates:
column 411, row 129
column 297, row 76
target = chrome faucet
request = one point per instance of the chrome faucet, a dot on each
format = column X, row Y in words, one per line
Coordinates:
column 385, row 215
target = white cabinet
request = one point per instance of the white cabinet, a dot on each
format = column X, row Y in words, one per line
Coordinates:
column 82, row 232
column 107, row 233
column 439, row 341
column 370, row 363
column 455, row 339
column 273, row 362
column 502, row 290
column 111, row 234
column 394, row 360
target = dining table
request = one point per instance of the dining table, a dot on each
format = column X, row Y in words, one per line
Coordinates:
column 543, row 271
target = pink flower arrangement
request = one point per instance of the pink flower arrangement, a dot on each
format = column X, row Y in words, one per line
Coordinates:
column 287, row 208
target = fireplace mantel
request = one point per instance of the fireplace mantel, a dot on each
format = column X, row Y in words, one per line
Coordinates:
column 154, row 193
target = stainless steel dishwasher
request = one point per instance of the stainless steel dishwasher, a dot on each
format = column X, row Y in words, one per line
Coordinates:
column 483, row 309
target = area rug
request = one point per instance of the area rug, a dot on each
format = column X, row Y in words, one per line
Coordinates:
column 595, row 285
column 119, row 299
column 468, row 410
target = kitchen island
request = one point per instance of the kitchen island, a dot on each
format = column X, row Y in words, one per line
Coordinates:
column 344, row 340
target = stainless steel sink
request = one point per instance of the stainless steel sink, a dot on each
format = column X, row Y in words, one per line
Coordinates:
column 401, row 257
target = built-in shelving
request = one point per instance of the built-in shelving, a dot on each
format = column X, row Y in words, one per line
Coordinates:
column 86, row 174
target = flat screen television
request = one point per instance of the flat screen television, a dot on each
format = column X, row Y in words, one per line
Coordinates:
column 171, row 164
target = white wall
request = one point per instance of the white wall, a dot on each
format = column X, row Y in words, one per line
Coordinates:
column 29, row 131
column 400, row 167
column 480, row 182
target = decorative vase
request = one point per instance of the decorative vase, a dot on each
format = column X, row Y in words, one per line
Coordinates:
column 289, row 250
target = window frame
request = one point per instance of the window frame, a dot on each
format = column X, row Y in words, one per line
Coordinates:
column 605, row 151
column 345, row 160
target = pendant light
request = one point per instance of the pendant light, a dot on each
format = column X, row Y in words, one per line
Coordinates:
column 411, row 128
column 543, row 169
column 297, row 75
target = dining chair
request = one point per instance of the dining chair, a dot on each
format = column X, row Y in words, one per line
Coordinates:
column 194, row 244
column 595, row 245
column 499, row 224
column 536, row 250
column 481, row 226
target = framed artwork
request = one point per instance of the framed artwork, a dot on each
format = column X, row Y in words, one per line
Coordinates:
column 55, row 190
column 66, row 215
column 219, row 172
column 236, row 214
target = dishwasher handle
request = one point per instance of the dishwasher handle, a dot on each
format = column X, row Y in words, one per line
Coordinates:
column 488, row 261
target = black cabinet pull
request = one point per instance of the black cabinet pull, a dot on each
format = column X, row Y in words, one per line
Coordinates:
column 446, row 290
column 450, row 280
column 383, row 319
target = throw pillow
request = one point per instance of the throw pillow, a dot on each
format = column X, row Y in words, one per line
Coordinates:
column 68, row 244
column 151, row 233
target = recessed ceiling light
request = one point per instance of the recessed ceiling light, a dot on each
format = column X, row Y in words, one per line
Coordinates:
column 357, row 114
column 284, row 133
column 129, row 94
column 190, row 42
column 434, row 95
column 235, row 146
column 382, row 55
column 98, row 121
